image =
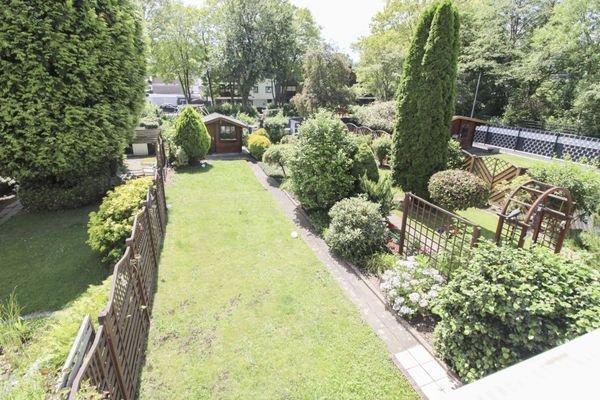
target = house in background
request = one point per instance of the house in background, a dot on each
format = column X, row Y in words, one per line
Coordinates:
column 161, row 92
column 226, row 133
column 261, row 94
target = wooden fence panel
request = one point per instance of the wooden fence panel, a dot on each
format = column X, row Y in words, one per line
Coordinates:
column 114, row 361
column 492, row 171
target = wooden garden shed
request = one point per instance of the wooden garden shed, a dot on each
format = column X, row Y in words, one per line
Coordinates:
column 226, row 133
column 463, row 130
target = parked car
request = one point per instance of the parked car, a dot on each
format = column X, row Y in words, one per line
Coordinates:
column 169, row 108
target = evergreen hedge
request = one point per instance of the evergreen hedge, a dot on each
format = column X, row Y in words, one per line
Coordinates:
column 191, row 134
column 73, row 81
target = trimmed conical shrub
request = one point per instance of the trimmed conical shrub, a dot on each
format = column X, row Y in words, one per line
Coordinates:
column 191, row 134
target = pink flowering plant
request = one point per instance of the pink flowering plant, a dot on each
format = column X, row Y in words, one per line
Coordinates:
column 410, row 287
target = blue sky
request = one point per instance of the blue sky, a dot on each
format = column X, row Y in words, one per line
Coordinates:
column 342, row 21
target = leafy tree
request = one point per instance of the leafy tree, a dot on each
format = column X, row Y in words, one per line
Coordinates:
column 177, row 50
column 191, row 134
column 73, row 86
column 426, row 99
column 327, row 77
column 279, row 155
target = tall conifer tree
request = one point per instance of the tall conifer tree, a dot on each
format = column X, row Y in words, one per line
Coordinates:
column 426, row 98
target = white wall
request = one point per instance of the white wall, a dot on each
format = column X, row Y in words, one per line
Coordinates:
column 140, row 149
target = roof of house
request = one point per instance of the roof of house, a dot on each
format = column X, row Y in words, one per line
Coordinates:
column 146, row 135
column 213, row 117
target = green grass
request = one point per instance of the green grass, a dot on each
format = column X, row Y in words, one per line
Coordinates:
column 244, row 311
column 523, row 162
column 487, row 220
column 45, row 257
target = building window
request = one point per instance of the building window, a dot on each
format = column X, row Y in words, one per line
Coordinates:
column 268, row 89
column 255, row 89
column 227, row 133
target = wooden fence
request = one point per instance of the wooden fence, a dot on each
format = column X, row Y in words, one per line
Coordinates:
column 431, row 230
column 492, row 171
column 364, row 130
column 113, row 362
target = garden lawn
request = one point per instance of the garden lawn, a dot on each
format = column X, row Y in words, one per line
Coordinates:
column 44, row 256
column 244, row 311
column 488, row 221
column 524, row 162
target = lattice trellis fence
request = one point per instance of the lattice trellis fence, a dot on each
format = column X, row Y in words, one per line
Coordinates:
column 538, row 142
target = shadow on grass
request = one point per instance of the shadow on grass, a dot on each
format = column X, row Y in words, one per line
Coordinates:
column 46, row 260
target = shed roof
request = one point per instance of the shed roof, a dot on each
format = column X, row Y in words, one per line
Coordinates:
column 146, row 135
column 479, row 121
column 213, row 117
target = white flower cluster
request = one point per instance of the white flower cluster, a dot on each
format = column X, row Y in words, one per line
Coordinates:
column 410, row 286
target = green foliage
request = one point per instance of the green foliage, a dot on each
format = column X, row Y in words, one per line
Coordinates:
column 456, row 158
column 191, row 134
column 583, row 182
column 177, row 49
column 70, row 193
column 508, row 304
column 14, row 331
column 232, row 110
column 326, row 82
column 411, row 286
column 279, row 154
column 382, row 147
column 151, row 116
column 379, row 192
column 356, row 229
column 35, row 364
column 289, row 139
column 275, row 126
column 426, row 98
column 321, row 167
column 378, row 115
column 246, row 118
column 73, row 88
column 261, row 132
column 456, row 189
column 257, row 145
column 363, row 162
column 379, row 262
column 113, row 222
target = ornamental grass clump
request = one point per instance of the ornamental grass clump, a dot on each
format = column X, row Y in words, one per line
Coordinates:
column 410, row 287
column 113, row 222
column 506, row 304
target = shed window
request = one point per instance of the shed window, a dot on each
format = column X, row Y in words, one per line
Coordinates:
column 255, row 89
column 227, row 133
column 268, row 89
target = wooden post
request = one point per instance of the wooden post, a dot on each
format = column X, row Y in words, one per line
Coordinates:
column 475, row 237
column 150, row 230
column 405, row 207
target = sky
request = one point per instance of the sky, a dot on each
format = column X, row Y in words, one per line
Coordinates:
column 342, row 22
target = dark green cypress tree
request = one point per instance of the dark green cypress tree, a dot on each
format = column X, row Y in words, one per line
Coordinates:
column 73, row 81
column 426, row 98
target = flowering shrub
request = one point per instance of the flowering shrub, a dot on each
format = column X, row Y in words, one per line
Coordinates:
column 455, row 189
column 410, row 287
